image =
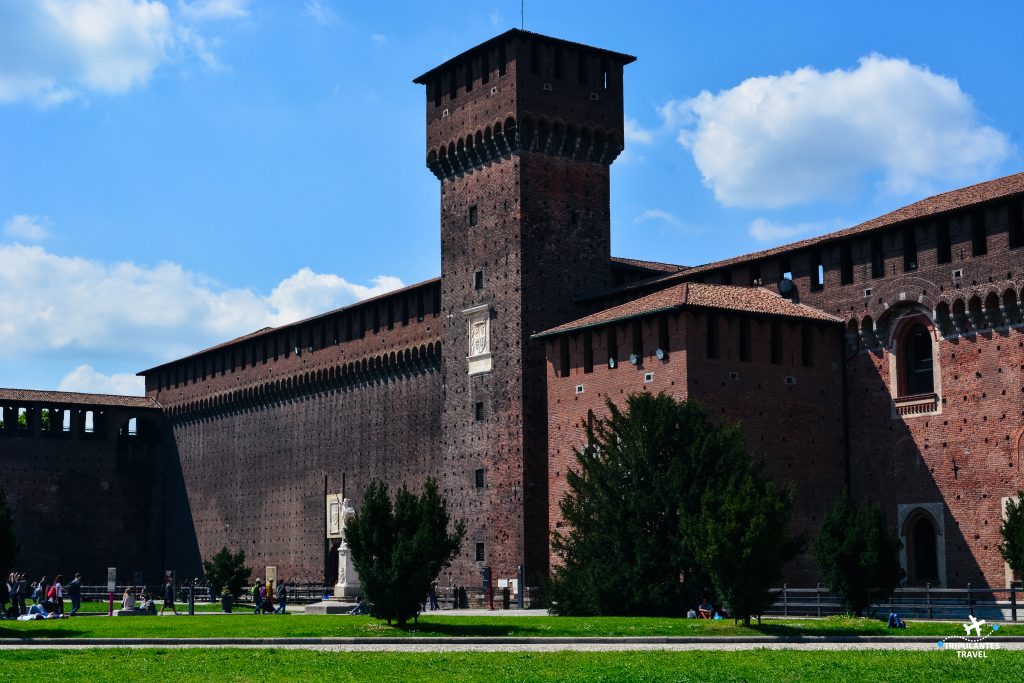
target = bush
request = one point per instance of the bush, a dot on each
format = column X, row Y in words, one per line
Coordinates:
column 744, row 541
column 633, row 505
column 227, row 571
column 1012, row 531
column 400, row 550
column 858, row 554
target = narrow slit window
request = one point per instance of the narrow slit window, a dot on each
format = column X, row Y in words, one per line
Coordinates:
column 877, row 256
column 1016, row 225
column 943, row 243
column 712, row 335
column 473, row 215
column 478, row 280
column 480, row 555
column 745, row 339
column 479, row 478
column 588, row 352
column 845, row 263
column 478, row 411
column 613, row 347
column 776, row 342
column 817, row 271
column 909, row 248
column 807, row 346
column 979, row 241
column 563, row 357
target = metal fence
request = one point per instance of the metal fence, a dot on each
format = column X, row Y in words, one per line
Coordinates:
column 298, row 594
column 911, row 602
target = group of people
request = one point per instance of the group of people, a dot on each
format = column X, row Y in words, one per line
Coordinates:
column 47, row 598
column 136, row 599
column 263, row 595
column 706, row 610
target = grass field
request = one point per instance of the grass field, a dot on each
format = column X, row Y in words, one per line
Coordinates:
column 294, row 665
column 90, row 606
column 265, row 626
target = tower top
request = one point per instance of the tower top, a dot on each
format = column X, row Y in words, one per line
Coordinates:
column 520, row 34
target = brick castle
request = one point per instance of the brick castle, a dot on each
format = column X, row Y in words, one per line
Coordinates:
column 886, row 357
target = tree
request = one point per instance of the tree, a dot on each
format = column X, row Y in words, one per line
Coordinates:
column 1012, row 531
column 227, row 570
column 400, row 550
column 743, row 541
column 633, row 505
column 8, row 539
column 858, row 554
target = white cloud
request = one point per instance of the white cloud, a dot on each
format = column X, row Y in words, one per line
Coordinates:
column 58, row 306
column 31, row 228
column 495, row 17
column 52, row 51
column 320, row 11
column 379, row 38
column 635, row 133
column 657, row 215
column 765, row 230
column 87, row 380
column 211, row 10
column 807, row 135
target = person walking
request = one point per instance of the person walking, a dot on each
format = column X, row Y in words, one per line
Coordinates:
column 282, row 598
column 56, row 593
column 75, row 593
column 169, row 597
column 432, row 594
column 44, row 588
column 257, row 596
column 268, row 598
column 23, row 588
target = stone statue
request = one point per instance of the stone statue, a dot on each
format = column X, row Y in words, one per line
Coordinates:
column 348, row 579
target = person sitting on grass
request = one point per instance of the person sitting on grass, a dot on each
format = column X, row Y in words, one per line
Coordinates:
column 146, row 601
column 128, row 599
column 705, row 609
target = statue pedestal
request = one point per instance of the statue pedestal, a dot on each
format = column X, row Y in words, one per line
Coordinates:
column 347, row 590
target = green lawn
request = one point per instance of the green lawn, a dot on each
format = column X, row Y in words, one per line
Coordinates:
column 247, row 625
column 295, row 665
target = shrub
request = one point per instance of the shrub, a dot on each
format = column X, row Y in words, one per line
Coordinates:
column 226, row 571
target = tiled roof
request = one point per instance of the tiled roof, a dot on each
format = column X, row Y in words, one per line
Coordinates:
column 265, row 330
column 31, row 395
column 940, row 203
column 698, row 295
column 422, row 80
column 656, row 266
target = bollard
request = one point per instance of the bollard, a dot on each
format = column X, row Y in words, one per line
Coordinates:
column 1013, row 601
column 110, row 605
column 522, row 588
column 191, row 601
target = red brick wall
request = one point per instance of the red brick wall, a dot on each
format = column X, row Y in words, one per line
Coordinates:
column 796, row 429
column 85, row 502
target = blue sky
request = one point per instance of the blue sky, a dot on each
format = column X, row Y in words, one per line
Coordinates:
column 173, row 174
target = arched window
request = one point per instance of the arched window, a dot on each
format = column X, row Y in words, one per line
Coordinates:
column 922, row 553
column 917, row 364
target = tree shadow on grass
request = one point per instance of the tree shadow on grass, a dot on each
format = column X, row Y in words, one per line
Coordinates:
column 39, row 632
column 428, row 628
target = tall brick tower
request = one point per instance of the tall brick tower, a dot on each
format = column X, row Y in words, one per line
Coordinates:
column 521, row 131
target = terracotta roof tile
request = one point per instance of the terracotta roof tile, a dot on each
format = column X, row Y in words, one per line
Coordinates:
column 32, row 395
column 698, row 295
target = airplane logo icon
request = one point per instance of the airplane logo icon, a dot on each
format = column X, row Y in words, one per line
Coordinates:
column 975, row 626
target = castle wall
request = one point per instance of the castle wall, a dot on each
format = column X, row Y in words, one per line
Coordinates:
column 790, row 412
column 954, row 455
column 87, row 498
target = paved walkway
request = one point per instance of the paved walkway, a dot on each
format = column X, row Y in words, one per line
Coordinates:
column 724, row 643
